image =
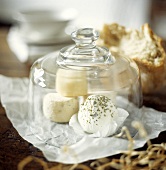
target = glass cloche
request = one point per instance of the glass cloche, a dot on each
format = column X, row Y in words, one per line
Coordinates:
column 83, row 87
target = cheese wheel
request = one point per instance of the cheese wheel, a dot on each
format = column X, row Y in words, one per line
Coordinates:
column 71, row 83
column 58, row 108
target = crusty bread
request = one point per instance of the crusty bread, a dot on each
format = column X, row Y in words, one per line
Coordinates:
column 144, row 47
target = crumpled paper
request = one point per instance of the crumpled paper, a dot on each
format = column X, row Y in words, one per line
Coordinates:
column 13, row 93
column 108, row 129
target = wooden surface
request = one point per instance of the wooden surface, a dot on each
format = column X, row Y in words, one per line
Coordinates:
column 13, row 148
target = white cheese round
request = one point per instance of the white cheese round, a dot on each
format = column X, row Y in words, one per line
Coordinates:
column 97, row 114
column 58, row 108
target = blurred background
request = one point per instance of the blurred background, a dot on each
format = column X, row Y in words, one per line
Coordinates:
column 29, row 41
column 90, row 13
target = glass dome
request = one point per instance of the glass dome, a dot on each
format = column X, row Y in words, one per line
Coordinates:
column 61, row 83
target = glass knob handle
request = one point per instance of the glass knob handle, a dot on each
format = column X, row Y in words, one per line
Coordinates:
column 85, row 36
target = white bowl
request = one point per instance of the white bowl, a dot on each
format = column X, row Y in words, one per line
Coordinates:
column 45, row 23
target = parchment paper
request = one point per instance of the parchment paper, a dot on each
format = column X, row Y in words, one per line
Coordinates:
column 13, row 93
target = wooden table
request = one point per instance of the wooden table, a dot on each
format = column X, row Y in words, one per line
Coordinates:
column 14, row 148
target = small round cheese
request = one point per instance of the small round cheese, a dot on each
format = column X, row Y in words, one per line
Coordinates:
column 97, row 113
column 58, row 108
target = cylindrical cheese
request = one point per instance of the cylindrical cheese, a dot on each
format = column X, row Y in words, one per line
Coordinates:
column 58, row 108
column 71, row 83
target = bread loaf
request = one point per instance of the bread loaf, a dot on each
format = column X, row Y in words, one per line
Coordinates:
column 144, row 47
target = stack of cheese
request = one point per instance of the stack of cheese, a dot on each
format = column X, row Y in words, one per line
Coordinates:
column 60, row 106
column 97, row 114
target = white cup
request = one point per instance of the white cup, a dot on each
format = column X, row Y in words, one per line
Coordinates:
column 40, row 24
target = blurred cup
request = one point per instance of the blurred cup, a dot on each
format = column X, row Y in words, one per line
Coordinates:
column 44, row 23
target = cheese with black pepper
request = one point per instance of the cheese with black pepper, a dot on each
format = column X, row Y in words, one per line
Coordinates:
column 97, row 114
column 58, row 108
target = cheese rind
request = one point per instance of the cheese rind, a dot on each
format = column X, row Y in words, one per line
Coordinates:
column 58, row 108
